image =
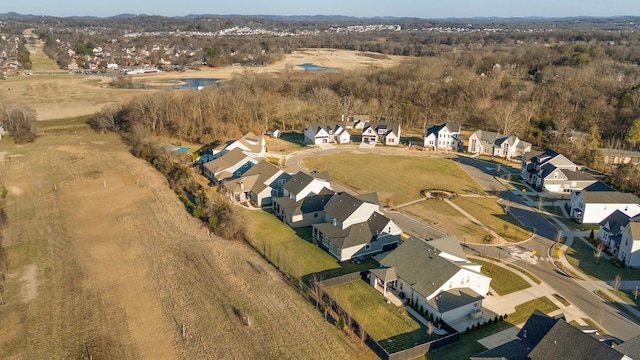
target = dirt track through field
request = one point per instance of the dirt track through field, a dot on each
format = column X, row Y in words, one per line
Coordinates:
column 111, row 265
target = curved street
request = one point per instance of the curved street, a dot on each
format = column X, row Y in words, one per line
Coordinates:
column 541, row 265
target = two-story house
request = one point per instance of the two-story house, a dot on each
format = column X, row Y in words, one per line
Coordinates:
column 434, row 274
column 495, row 144
column 594, row 203
column 381, row 132
column 228, row 166
column 303, row 199
column 611, row 228
column 551, row 171
column 316, row 134
column 259, row 185
column 629, row 252
column 443, row 137
column 250, row 143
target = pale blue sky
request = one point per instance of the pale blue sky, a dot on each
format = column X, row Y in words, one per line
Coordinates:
column 360, row 8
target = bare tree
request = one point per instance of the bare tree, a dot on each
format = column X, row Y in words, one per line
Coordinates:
column 429, row 328
column 598, row 252
column 636, row 292
column 616, row 283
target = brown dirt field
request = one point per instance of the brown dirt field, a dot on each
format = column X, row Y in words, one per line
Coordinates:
column 116, row 270
column 62, row 96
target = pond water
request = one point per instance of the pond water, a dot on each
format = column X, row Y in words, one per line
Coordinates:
column 309, row 66
column 190, row 83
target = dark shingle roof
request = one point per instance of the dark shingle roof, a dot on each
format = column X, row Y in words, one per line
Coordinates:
column 610, row 197
column 301, row 180
column 453, row 299
column 449, row 245
column 564, row 341
column 631, row 348
column 420, row 265
column 616, row 220
column 309, row 204
column 385, row 274
column 356, row 234
column 343, row 206
column 577, row 175
column 225, row 161
column 598, row 186
column 536, row 327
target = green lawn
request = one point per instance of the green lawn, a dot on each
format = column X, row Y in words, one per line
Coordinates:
column 390, row 325
column 570, row 223
column 396, row 179
column 503, row 281
column 523, row 311
column 468, row 344
column 490, row 213
column 581, row 256
column 284, row 247
column 291, row 250
column 529, row 275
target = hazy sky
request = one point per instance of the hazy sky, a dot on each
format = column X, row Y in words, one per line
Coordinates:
column 360, row 8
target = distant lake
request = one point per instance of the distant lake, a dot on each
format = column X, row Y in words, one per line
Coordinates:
column 309, row 66
column 192, row 83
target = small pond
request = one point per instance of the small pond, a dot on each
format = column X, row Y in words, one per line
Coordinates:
column 191, row 83
column 309, row 66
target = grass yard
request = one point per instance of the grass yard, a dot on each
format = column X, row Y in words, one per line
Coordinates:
column 503, row 281
column 581, row 256
column 388, row 324
column 490, row 213
column 442, row 216
column 105, row 267
column 396, row 179
column 523, row 311
column 284, row 247
column 468, row 344
column 287, row 143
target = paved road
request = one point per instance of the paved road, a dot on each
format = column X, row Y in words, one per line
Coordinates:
column 608, row 317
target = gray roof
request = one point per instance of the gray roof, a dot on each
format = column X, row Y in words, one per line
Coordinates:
column 577, row 175
column 356, row 234
column 452, row 127
column 252, row 142
column 331, row 128
column 609, row 197
column 226, row 161
column 523, row 145
column 564, row 341
column 631, row 348
column 255, row 178
column 391, row 127
column 343, row 206
column 453, row 299
column 385, row 274
column 301, row 180
column 598, row 186
column 616, row 221
column 449, row 245
column 306, row 205
column 420, row 265
column 532, row 154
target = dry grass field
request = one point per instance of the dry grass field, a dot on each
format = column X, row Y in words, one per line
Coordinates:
column 396, row 179
column 105, row 262
column 490, row 213
column 57, row 96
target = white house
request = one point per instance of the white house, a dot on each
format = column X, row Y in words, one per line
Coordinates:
column 316, row 134
column 443, row 137
column 303, row 184
column 496, row 144
column 2, row 131
column 435, row 275
column 381, row 132
column 228, row 166
column 611, row 228
column 552, row 171
column 629, row 253
column 260, row 184
column 594, row 203
column 307, row 211
column 250, row 143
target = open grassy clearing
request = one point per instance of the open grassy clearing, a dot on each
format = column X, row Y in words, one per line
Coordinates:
column 388, row 324
column 581, row 256
column 287, row 143
column 396, row 179
column 503, row 281
column 523, row 311
column 118, row 269
column 490, row 213
column 442, row 216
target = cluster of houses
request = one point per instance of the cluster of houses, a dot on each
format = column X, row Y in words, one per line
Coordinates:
column 379, row 132
column 434, row 274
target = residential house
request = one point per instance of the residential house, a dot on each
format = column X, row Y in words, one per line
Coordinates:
column 228, row 166
column 306, row 211
column 259, row 185
column 611, row 228
column 356, row 121
column 435, row 275
column 274, row 133
column 619, row 157
column 2, row 131
column 543, row 337
column 443, row 137
column 496, row 144
column 381, row 132
column 253, row 145
column 595, row 202
column 629, row 252
column 355, row 227
column 303, row 184
column 316, row 134
column 552, row 171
